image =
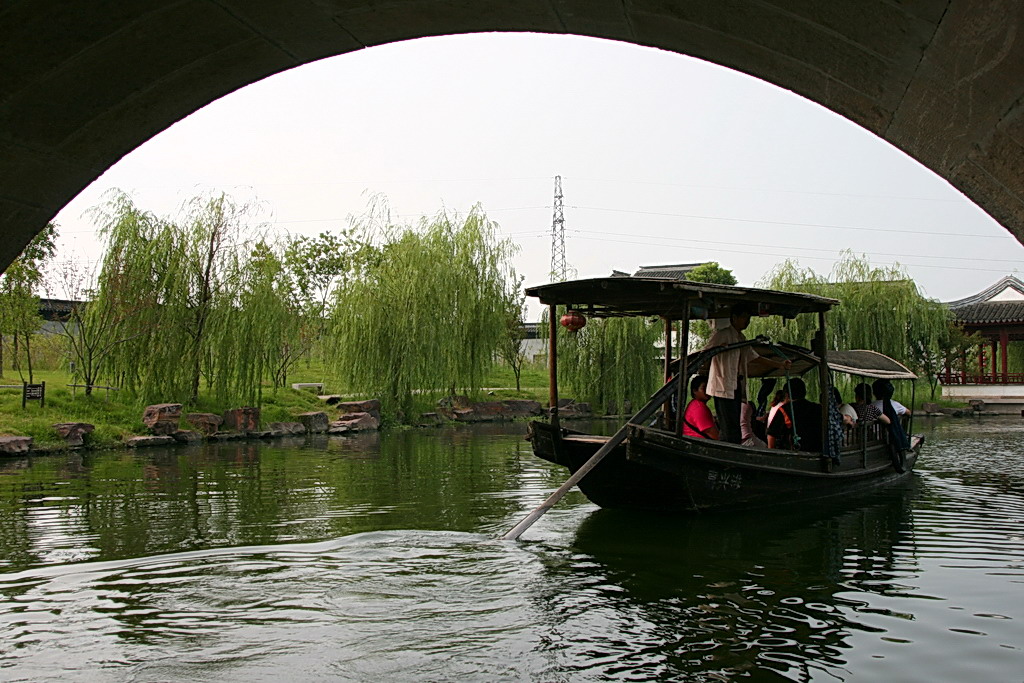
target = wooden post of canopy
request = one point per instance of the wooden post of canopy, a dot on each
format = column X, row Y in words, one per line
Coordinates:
column 684, row 352
column 863, row 430
column 823, row 377
column 553, row 364
column 667, row 408
column 668, row 349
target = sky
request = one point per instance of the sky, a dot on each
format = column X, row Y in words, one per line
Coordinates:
column 664, row 159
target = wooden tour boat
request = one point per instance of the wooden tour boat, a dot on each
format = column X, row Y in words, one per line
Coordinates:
column 650, row 465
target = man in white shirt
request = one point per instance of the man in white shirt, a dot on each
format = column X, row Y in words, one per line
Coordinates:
column 878, row 388
column 728, row 372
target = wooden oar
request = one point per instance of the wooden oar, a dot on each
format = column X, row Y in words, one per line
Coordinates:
column 645, row 413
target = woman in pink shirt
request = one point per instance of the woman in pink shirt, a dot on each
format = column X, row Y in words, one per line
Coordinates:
column 697, row 418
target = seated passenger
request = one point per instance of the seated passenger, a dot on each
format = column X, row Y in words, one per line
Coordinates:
column 803, row 430
column 898, row 439
column 880, row 388
column 846, row 411
column 780, row 399
column 748, row 436
column 697, row 418
column 760, row 422
column 867, row 413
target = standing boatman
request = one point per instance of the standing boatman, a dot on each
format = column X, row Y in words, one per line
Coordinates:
column 728, row 372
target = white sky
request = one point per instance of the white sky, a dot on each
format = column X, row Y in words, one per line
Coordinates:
column 664, row 159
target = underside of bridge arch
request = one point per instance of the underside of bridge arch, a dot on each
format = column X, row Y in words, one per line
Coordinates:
column 84, row 83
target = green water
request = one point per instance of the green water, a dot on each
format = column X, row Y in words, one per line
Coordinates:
column 375, row 557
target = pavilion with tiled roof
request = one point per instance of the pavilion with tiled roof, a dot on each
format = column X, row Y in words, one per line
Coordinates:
column 997, row 315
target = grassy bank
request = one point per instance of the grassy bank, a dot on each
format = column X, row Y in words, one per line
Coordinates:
column 116, row 416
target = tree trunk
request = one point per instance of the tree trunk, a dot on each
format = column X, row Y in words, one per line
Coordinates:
column 28, row 356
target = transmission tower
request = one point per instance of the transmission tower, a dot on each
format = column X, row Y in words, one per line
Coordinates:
column 558, row 269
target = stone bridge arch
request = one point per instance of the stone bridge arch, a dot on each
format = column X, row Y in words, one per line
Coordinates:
column 84, row 83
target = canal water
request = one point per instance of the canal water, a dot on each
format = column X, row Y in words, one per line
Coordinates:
column 375, row 558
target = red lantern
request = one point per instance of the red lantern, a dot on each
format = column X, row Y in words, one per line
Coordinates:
column 573, row 321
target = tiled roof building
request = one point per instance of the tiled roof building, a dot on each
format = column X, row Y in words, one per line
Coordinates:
column 997, row 315
column 1002, row 303
column 674, row 272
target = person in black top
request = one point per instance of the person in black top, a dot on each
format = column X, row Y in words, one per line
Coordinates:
column 806, row 425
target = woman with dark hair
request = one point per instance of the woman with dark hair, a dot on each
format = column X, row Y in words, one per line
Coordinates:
column 867, row 413
column 802, row 430
column 881, row 387
column 899, row 442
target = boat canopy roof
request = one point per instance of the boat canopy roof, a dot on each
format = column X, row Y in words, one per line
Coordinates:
column 869, row 364
column 611, row 297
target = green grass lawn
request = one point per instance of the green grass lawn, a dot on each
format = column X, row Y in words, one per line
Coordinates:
column 116, row 416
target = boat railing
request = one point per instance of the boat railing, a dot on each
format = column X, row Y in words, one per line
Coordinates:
column 854, row 437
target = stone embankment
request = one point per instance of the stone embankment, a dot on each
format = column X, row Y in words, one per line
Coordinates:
column 164, row 421
column 461, row 409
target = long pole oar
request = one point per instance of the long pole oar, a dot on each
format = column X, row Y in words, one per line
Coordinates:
column 645, row 414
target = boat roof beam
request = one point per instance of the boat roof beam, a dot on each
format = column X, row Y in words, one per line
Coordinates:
column 613, row 297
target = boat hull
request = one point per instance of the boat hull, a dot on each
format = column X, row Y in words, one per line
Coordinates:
column 656, row 470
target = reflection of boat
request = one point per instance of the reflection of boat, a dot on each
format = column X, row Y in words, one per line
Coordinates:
column 787, row 595
column 650, row 464
column 810, row 542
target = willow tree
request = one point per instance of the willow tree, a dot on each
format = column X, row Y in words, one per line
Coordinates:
column 880, row 308
column 256, row 338
column 427, row 312
column 511, row 349
column 611, row 363
column 90, row 335
column 314, row 267
column 184, row 284
column 19, row 300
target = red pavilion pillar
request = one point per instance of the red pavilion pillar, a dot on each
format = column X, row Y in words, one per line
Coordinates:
column 1004, row 343
column 995, row 351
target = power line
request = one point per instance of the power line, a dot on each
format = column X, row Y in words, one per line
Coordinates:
column 768, row 190
column 790, row 223
column 819, row 258
column 792, row 248
column 587, row 234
